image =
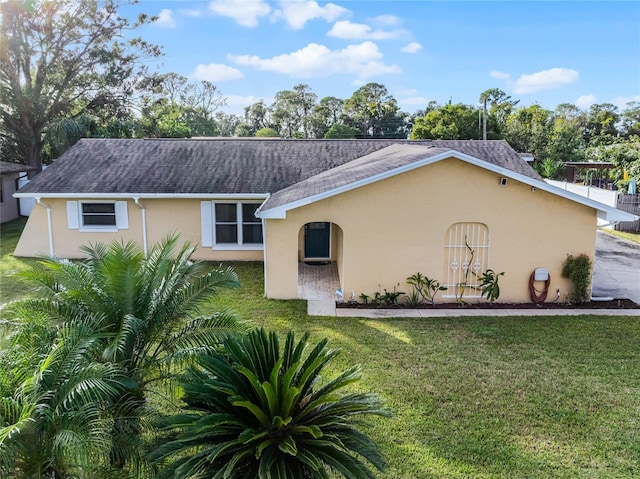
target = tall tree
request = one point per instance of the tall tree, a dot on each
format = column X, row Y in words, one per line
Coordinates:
column 448, row 122
column 374, row 111
column 602, row 124
column 256, row 116
column 631, row 119
column 61, row 57
column 292, row 109
column 325, row 114
column 566, row 141
column 528, row 130
column 227, row 123
column 500, row 107
column 174, row 107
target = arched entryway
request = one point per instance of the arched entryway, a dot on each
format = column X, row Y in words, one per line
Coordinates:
column 319, row 260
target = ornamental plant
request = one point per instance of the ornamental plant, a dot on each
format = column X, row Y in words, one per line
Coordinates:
column 257, row 410
column 578, row 270
column 489, row 285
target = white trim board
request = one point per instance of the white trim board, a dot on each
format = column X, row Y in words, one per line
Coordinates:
column 202, row 196
column 604, row 211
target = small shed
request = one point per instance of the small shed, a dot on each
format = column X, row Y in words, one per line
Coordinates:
column 10, row 173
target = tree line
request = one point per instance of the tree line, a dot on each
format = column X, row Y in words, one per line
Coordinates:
column 66, row 73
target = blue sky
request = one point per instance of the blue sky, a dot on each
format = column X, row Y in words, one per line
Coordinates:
column 543, row 52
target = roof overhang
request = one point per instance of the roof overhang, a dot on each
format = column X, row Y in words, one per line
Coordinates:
column 203, row 196
column 604, row 212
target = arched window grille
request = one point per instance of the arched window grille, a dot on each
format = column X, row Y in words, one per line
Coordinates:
column 466, row 252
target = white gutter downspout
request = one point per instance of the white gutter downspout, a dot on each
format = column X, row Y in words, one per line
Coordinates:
column 136, row 199
column 48, row 208
column 606, row 225
column 264, row 253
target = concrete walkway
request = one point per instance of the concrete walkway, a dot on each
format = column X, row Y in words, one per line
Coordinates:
column 453, row 313
column 317, row 281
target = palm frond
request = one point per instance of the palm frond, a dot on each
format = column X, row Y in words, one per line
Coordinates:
column 258, row 411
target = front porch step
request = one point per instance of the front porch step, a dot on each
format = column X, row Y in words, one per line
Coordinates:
column 321, row 307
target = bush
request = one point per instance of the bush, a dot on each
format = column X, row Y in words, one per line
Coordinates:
column 258, row 410
column 578, row 270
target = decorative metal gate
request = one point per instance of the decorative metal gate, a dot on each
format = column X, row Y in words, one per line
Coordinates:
column 466, row 252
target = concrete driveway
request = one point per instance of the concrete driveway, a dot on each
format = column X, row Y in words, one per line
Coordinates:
column 616, row 270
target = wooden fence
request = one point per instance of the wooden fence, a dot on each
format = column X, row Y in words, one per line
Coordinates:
column 631, row 204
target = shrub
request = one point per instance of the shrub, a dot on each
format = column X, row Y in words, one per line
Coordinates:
column 255, row 410
column 578, row 270
column 489, row 284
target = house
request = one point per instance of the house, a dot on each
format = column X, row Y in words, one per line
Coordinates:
column 375, row 210
column 10, row 173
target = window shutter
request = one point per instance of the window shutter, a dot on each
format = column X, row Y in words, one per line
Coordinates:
column 122, row 218
column 73, row 215
column 206, row 215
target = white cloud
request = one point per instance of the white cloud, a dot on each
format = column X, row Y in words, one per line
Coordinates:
column 216, row 72
column 190, row 12
column 166, row 19
column 499, row 75
column 386, row 20
column 298, row 12
column 412, row 47
column 545, row 80
column 244, row 12
column 414, row 101
column 585, row 101
column 359, row 31
column 314, row 60
column 240, row 101
column 621, row 101
column 542, row 80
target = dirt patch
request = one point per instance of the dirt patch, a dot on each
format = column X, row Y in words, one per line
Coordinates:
column 612, row 304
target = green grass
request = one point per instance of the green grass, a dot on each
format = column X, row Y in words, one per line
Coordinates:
column 487, row 397
column 635, row 237
column 10, row 289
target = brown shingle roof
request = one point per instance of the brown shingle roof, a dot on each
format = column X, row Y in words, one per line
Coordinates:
column 376, row 163
column 210, row 166
column 7, row 167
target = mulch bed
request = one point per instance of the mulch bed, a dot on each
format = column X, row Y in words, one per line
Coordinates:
column 613, row 304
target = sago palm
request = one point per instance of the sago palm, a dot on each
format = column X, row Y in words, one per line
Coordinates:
column 258, row 411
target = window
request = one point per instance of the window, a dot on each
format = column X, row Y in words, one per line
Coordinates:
column 104, row 216
column 466, row 253
column 231, row 225
column 251, row 226
column 226, row 222
column 98, row 214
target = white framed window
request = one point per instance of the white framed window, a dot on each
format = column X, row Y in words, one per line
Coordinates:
column 231, row 225
column 466, row 253
column 102, row 216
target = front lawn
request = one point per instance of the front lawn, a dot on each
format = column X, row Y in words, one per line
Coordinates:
column 551, row 397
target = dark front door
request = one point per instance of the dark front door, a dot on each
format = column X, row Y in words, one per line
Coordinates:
column 317, row 237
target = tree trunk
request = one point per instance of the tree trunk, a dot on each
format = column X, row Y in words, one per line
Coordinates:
column 33, row 151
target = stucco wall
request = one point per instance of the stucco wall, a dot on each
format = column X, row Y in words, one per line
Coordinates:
column 396, row 227
column 8, row 205
column 163, row 216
